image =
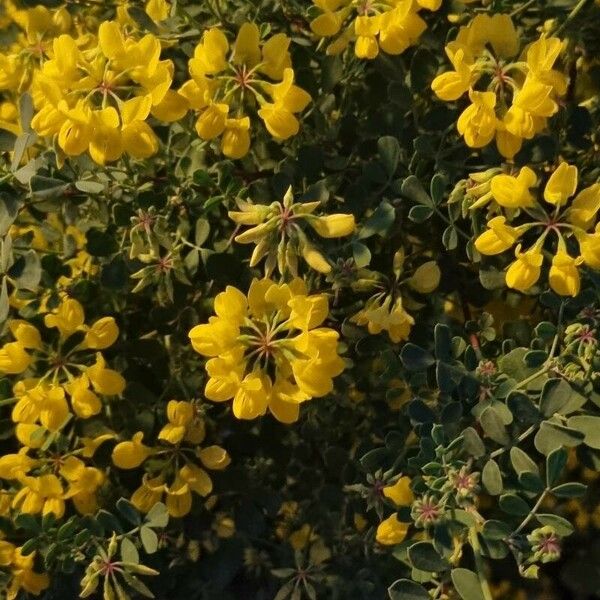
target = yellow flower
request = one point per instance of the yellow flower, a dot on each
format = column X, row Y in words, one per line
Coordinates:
column 183, row 424
column 561, row 185
column 589, row 246
column 564, row 274
column 485, row 62
column 452, row 85
column 585, row 207
column 43, row 494
column 105, row 381
column 525, row 271
column 531, row 106
column 102, row 334
column 24, row 577
column 131, row 454
column 399, row 493
column 513, row 192
column 68, row 317
column 274, row 354
column 388, row 26
column 98, row 100
column 13, row 358
column 477, row 123
column 498, row 238
column 381, row 315
column 83, row 484
column 254, row 76
column 391, row 531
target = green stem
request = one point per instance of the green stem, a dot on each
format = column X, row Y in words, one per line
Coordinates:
column 576, row 10
column 532, row 513
column 479, row 564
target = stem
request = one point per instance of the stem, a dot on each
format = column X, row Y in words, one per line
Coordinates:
column 576, row 10
column 479, row 564
column 532, row 513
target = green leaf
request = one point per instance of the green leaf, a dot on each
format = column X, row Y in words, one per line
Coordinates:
column 201, row 231
column 437, row 188
column 552, row 435
column 491, row 477
column 361, row 255
column 492, row 279
column 129, row 552
column 512, row 504
column 149, row 539
column 493, row 426
column 589, row 425
column 556, row 461
column 556, row 393
column 4, row 301
column 496, row 530
column 531, row 482
column 423, row 67
column 404, row 589
column 562, row 527
column 389, row 153
column 472, row 443
column 423, row 556
column 414, row 191
column 30, row 271
column 128, row 511
column 513, row 364
column 9, row 209
column 415, row 358
column 570, row 490
column 379, row 222
column 157, row 516
column 420, row 214
column 89, row 187
column 521, row 462
column 467, row 584
column 450, row 238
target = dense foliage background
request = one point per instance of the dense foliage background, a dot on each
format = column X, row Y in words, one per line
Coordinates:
column 299, row 299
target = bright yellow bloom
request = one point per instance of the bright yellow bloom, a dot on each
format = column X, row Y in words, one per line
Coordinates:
column 43, row 494
column 23, row 576
column 525, row 271
column 267, row 350
column 399, row 493
column 477, row 123
column 498, row 238
column 391, row 26
column 561, row 185
column 131, row 454
column 102, row 334
column 564, row 274
column 511, row 97
column 83, row 103
column 513, row 192
column 228, row 81
column 391, row 531
column 184, row 424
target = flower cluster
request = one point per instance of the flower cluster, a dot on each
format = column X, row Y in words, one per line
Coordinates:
column 555, row 224
column 268, row 350
column 278, row 232
column 177, row 460
column 97, row 98
column 391, row 26
column 227, row 82
column 511, row 95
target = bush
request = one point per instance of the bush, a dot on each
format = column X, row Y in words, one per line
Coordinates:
column 299, row 299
